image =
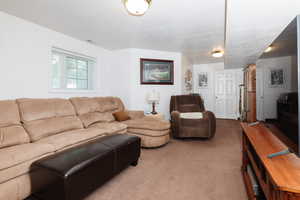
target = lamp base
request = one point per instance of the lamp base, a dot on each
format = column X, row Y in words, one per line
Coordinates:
column 153, row 109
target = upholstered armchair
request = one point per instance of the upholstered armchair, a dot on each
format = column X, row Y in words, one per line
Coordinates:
column 189, row 118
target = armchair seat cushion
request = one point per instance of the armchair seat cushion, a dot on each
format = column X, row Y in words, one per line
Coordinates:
column 191, row 115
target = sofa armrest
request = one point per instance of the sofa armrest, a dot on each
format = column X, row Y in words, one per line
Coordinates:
column 135, row 114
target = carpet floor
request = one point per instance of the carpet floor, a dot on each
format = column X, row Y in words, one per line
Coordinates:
column 184, row 170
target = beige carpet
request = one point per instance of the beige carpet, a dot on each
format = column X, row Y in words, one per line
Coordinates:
column 184, row 170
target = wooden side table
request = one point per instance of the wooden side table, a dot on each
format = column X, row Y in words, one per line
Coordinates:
column 156, row 116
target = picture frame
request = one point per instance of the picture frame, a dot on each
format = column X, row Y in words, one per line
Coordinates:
column 156, row 71
column 203, row 80
column 277, row 78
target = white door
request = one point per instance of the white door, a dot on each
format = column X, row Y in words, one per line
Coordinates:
column 220, row 96
column 226, row 94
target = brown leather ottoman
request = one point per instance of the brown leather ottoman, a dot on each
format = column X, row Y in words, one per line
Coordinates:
column 81, row 170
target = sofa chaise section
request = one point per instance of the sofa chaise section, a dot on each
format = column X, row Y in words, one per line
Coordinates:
column 98, row 112
column 153, row 132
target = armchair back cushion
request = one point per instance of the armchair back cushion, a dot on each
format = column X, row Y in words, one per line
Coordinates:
column 96, row 109
column 11, row 131
column 46, row 117
column 187, row 103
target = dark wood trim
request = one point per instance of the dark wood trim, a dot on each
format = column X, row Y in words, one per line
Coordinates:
column 142, row 60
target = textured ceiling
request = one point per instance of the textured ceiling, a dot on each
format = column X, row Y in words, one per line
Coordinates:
column 192, row 27
column 189, row 26
column 252, row 25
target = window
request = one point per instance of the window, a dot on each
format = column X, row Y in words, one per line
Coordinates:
column 71, row 71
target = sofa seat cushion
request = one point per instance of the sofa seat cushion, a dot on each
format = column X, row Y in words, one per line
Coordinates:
column 91, row 118
column 19, row 154
column 19, row 169
column 147, row 132
column 72, row 138
column 42, row 128
column 148, row 123
column 111, row 128
column 152, row 142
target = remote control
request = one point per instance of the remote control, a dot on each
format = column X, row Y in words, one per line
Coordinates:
column 253, row 123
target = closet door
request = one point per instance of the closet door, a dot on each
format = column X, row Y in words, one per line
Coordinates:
column 226, row 94
column 220, row 95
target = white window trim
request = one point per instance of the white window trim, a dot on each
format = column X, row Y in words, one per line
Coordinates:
column 72, row 91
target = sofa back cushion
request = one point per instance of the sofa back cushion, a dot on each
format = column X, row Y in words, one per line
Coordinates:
column 46, row 117
column 11, row 131
column 110, row 104
column 96, row 109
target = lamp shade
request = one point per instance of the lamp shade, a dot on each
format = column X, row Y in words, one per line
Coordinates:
column 153, row 97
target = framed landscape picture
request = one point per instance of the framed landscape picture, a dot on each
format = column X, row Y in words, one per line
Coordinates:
column 159, row 72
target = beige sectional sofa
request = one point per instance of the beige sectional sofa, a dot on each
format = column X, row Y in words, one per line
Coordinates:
column 31, row 129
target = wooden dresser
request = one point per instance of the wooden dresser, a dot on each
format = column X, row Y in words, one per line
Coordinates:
column 278, row 177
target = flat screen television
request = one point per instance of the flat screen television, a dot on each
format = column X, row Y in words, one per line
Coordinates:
column 278, row 85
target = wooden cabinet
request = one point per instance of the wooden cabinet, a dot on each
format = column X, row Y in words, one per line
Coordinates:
column 278, row 177
column 250, row 93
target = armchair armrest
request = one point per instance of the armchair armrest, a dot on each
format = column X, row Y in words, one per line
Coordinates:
column 207, row 125
column 175, row 123
column 135, row 114
column 212, row 122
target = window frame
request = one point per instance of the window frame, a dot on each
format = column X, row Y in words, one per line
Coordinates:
column 91, row 72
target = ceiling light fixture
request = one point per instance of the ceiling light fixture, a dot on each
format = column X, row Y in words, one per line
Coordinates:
column 137, row 7
column 217, row 53
column 270, row 48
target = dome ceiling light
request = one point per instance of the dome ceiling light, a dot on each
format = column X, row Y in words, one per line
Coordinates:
column 270, row 48
column 137, row 7
column 217, row 53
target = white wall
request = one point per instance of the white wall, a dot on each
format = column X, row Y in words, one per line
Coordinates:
column 208, row 94
column 186, row 65
column 25, row 54
column 267, row 106
column 127, row 70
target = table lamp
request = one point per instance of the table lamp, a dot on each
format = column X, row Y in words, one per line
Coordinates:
column 153, row 98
